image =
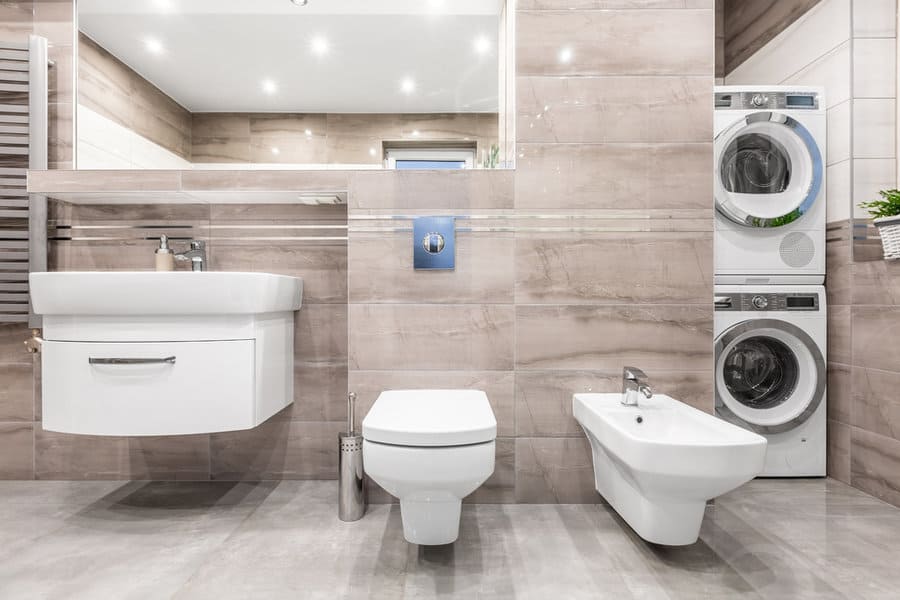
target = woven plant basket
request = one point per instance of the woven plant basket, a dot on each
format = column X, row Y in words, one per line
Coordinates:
column 889, row 230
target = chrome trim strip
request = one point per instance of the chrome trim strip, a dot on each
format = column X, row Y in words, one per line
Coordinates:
column 730, row 210
column 727, row 337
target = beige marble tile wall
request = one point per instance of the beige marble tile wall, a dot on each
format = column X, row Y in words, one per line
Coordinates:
column 112, row 89
column 328, row 138
column 55, row 20
column 595, row 253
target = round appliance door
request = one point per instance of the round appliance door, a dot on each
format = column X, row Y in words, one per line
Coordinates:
column 770, row 375
column 768, row 170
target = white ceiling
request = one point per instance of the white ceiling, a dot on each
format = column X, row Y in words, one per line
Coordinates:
column 217, row 53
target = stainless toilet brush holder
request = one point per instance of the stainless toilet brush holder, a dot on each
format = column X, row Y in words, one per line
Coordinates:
column 351, row 476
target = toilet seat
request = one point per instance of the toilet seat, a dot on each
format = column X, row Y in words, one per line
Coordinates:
column 430, row 418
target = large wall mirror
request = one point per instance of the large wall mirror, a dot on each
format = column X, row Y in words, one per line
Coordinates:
column 314, row 84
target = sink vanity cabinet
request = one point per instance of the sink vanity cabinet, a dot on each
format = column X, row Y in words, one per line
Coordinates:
column 165, row 353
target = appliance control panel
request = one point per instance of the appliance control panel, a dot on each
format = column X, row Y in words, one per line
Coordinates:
column 767, row 100
column 766, row 302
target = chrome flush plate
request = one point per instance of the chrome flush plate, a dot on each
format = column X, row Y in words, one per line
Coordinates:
column 434, row 243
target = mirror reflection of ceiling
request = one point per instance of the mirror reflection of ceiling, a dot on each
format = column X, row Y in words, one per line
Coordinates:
column 350, row 56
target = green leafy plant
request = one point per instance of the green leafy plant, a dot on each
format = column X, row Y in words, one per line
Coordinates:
column 888, row 206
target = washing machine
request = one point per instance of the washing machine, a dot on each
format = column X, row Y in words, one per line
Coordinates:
column 770, row 371
column 769, row 185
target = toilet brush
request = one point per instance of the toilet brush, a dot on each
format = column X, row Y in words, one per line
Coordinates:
column 351, row 476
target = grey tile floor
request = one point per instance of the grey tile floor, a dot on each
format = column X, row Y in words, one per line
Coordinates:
column 770, row 539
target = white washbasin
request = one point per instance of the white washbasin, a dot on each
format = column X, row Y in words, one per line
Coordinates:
column 163, row 293
column 659, row 462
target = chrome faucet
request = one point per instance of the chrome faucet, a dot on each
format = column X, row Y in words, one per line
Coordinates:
column 634, row 382
column 197, row 255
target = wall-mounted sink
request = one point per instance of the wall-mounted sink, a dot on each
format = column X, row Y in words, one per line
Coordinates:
column 147, row 353
column 163, row 293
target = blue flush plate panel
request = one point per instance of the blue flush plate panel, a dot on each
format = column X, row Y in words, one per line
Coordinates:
column 434, row 243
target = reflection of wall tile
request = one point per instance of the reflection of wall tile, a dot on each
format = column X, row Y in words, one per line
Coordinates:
column 608, row 176
column 587, row 337
column 614, row 109
column 448, row 337
column 498, row 385
column 615, row 268
column 554, row 470
column 615, row 42
column 112, row 89
column 383, row 271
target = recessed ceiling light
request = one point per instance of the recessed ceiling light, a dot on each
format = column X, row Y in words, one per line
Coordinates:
column 407, row 86
column 308, row 132
column 153, row 46
column 415, row 133
column 269, row 86
column 565, row 55
column 371, row 151
column 300, row 2
column 319, row 45
column 164, row 5
column 276, row 151
column 482, row 44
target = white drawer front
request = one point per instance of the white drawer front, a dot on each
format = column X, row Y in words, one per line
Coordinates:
column 165, row 388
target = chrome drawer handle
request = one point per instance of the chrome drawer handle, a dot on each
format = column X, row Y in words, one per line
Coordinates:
column 169, row 360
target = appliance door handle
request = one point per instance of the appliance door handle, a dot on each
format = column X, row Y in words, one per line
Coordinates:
column 168, row 360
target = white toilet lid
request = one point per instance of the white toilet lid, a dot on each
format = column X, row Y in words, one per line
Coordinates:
column 430, row 418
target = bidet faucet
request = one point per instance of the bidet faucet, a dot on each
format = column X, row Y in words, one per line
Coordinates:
column 197, row 255
column 634, row 382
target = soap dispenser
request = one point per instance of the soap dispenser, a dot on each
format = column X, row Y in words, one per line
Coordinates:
column 165, row 257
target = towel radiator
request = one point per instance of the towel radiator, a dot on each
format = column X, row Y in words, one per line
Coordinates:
column 23, row 146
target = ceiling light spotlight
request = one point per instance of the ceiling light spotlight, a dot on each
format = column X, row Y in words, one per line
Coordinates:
column 407, row 86
column 269, row 86
column 565, row 55
column 153, row 46
column 300, row 2
column 319, row 45
column 276, row 151
column 308, row 132
column 482, row 45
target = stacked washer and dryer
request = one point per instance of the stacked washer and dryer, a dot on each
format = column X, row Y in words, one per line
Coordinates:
column 770, row 310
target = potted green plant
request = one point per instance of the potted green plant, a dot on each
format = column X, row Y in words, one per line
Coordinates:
column 885, row 215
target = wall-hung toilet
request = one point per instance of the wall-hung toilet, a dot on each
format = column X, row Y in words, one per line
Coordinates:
column 430, row 449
